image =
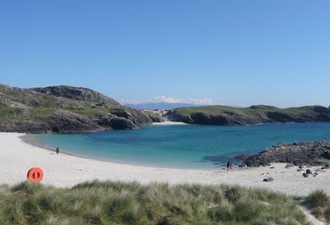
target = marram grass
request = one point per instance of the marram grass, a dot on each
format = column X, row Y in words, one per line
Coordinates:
column 131, row 203
column 319, row 203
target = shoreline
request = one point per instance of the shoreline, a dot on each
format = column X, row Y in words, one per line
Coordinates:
column 168, row 123
column 31, row 142
column 65, row 171
column 25, row 139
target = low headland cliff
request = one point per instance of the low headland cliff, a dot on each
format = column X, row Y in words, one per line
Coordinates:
column 231, row 116
column 65, row 109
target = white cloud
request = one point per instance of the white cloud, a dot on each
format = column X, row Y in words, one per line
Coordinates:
column 164, row 99
column 158, row 99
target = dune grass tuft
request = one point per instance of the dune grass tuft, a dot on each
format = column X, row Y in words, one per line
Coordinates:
column 318, row 199
column 131, row 203
column 319, row 203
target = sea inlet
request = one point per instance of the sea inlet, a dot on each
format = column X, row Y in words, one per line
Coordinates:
column 182, row 146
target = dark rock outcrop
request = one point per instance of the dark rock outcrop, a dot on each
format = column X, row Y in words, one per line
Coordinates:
column 156, row 119
column 26, row 126
column 114, row 122
column 61, row 122
column 303, row 153
column 174, row 116
column 136, row 116
column 226, row 118
column 316, row 113
column 282, row 117
column 77, row 93
column 67, row 122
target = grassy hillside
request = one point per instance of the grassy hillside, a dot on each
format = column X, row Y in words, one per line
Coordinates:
column 21, row 104
column 225, row 115
column 253, row 111
column 131, row 203
column 65, row 109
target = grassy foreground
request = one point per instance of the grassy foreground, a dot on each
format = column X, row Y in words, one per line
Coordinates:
column 131, row 203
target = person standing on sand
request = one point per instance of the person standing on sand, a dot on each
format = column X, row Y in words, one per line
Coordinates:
column 57, row 150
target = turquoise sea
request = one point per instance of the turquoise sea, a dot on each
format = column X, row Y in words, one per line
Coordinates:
column 182, row 146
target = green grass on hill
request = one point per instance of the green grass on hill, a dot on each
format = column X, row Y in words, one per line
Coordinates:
column 131, row 203
column 8, row 113
column 257, row 111
column 89, row 111
column 298, row 110
column 48, row 107
column 210, row 110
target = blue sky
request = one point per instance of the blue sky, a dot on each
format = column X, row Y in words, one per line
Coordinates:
column 230, row 52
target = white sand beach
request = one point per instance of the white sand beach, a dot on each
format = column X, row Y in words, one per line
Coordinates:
column 169, row 123
column 62, row 170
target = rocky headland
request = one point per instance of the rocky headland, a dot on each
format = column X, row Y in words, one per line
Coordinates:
column 231, row 116
column 65, row 109
column 299, row 154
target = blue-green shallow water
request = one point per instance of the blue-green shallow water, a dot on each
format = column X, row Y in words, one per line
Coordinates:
column 182, row 146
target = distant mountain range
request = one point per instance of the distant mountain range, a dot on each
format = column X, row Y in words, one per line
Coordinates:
column 160, row 105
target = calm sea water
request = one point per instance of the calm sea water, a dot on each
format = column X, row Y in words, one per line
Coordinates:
column 182, row 146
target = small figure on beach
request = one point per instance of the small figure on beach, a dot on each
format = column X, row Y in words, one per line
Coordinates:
column 229, row 165
column 57, row 150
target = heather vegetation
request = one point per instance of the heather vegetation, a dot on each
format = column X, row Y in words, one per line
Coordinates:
column 131, row 203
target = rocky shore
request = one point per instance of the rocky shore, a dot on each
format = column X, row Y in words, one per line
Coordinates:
column 299, row 154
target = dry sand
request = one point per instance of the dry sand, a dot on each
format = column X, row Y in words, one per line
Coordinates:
column 61, row 170
column 169, row 123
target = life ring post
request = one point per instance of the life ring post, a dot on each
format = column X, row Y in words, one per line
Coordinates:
column 35, row 174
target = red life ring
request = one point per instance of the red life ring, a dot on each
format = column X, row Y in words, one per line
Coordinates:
column 35, row 174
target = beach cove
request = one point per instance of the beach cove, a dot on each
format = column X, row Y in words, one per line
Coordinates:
column 62, row 170
column 200, row 147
